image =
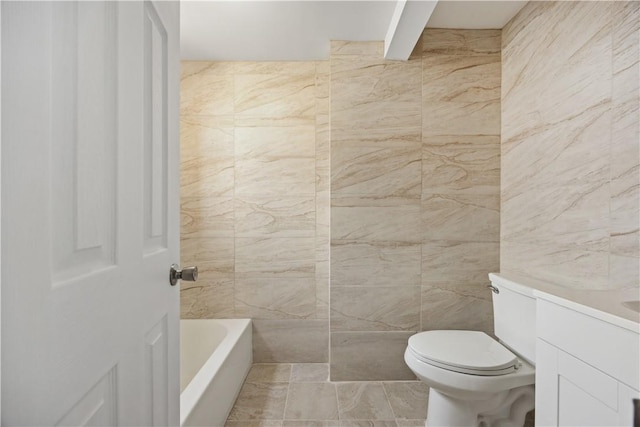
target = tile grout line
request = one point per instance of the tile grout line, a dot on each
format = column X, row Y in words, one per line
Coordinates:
column 286, row 399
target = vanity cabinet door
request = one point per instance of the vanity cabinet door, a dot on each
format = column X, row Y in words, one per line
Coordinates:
column 570, row 392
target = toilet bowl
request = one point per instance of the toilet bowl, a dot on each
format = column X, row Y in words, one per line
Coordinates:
column 474, row 379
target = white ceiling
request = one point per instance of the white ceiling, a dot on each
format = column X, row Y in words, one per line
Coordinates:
column 477, row 14
column 301, row 30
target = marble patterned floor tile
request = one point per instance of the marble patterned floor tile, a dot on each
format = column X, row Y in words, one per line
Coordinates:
column 310, row 423
column 254, row 423
column 312, row 401
column 368, row 423
column 363, row 401
column 310, row 372
column 408, row 400
column 269, row 373
column 411, row 423
column 367, row 356
column 258, row 401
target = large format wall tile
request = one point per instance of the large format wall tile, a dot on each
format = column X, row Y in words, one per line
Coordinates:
column 285, row 175
column 275, row 257
column 275, row 95
column 360, row 401
column 461, row 217
column 255, row 150
column 214, row 255
column 206, row 88
column 461, row 42
column 211, row 297
column 275, row 298
column 281, row 141
column 375, row 308
column 461, row 164
column 374, row 219
column 284, row 341
column 570, row 160
column 288, row 216
column 574, row 268
column 206, row 156
column 415, row 159
column 203, row 216
column 452, row 262
column 357, row 263
column 376, row 171
column 461, row 95
column 369, row 356
column 445, row 309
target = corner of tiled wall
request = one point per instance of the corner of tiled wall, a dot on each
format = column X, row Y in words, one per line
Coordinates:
column 571, row 144
column 255, row 201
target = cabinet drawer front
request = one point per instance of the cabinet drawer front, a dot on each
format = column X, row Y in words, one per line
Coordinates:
column 612, row 349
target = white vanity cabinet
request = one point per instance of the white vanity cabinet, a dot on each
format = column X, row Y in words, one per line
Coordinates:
column 587, row 366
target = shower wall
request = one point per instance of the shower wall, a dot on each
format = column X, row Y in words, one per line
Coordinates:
column 255, row 201
column 410, row 210
column 571, row 144
column 415, row 189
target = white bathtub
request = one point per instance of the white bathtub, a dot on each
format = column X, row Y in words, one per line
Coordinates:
column 215, row 357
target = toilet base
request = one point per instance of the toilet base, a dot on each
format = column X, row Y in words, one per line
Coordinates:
column 505, row 409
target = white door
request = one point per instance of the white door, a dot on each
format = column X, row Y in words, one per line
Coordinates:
column 89, row 213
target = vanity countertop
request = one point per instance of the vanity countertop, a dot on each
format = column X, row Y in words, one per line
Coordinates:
column 607, row 305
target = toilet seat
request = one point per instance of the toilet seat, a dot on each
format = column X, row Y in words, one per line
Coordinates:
column 467, row 352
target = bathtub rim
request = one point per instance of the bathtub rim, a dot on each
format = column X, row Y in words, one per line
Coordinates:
column 193, row 392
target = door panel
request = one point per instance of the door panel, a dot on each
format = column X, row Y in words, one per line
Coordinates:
column 90, row 213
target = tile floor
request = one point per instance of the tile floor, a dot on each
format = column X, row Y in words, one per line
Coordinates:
column 300, row 395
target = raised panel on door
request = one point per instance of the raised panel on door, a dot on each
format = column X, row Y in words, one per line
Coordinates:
column 88, row 318
column 155, row 131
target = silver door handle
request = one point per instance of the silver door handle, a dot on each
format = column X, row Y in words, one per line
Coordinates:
column 494, row 289
column 190, row 274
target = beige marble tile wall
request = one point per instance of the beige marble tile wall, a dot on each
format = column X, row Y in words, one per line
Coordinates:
column 255, row 201
column 570, row 144
column 415, row 157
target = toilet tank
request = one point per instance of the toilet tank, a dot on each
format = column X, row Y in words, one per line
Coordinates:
column 514, row 315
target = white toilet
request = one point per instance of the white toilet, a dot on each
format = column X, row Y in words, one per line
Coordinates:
column 475, row 380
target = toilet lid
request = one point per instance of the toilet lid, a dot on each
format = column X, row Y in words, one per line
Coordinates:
column 471, row 352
